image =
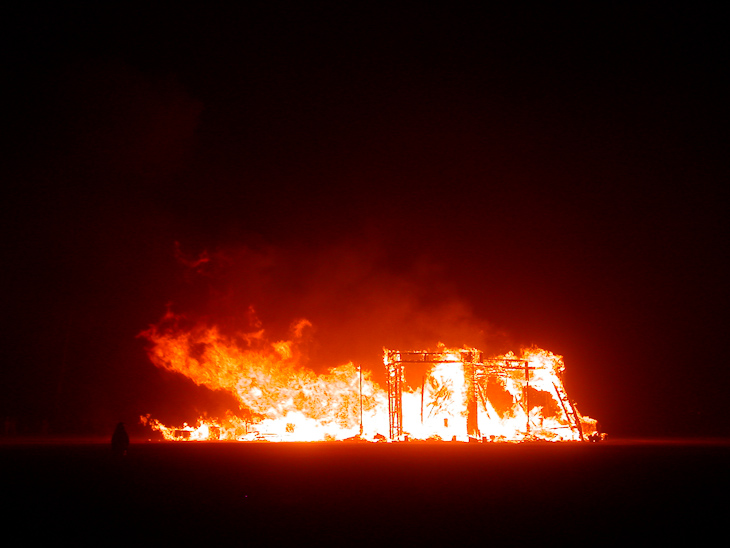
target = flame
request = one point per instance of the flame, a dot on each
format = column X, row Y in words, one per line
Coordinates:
column 510, row 399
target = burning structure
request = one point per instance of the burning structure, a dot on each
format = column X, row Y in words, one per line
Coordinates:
column 446, row 394
column 464, row 389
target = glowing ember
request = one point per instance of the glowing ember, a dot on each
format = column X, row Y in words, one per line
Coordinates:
column 459, row 395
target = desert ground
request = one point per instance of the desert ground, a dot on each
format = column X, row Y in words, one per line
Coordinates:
column 345, row 493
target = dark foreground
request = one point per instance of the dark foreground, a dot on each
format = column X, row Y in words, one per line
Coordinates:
column 368, row 494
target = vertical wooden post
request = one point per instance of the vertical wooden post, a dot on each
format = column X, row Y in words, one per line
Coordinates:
column 360, row 370
column 526, row 395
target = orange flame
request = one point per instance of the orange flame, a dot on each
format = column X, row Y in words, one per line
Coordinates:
column 282, row 400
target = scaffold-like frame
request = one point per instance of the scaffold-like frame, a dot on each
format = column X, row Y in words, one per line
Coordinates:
column 476, row 369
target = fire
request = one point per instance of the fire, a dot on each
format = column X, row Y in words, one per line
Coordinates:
column 447, row 394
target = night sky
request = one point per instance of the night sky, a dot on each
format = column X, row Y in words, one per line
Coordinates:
column 399, row 175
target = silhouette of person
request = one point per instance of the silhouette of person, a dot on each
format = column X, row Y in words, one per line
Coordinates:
column 120, row 441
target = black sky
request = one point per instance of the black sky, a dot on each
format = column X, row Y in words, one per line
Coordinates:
column 397, row 174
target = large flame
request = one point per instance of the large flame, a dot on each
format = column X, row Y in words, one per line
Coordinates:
column 282, row 400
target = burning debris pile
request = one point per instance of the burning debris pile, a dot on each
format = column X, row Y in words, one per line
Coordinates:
column 460, row 395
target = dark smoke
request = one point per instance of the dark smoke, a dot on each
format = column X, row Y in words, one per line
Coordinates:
column 358, row 296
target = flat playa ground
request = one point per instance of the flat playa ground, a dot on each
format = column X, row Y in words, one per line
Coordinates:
column 368, row 494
